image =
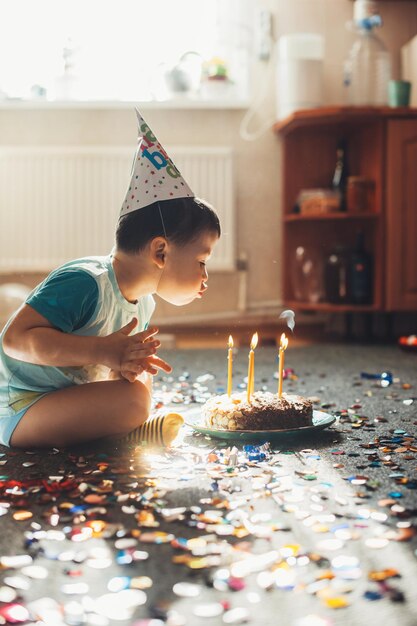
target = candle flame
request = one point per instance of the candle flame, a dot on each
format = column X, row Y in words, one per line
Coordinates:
column 283, row 344
column 230, row 341
column 254, row 341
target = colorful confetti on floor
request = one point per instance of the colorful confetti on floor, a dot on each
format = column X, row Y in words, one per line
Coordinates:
column 316, row 531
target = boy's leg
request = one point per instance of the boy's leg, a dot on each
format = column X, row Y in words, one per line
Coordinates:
column 82, row 413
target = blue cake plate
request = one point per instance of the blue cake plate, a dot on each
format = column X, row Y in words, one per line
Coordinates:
column 192, row 418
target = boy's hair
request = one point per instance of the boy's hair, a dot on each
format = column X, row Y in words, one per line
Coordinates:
column 184, row 219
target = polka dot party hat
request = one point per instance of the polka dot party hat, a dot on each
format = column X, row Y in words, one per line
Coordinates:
column 154, row 175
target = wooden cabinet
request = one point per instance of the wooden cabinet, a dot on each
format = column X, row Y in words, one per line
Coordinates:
column 401, row 215
column 382, row 146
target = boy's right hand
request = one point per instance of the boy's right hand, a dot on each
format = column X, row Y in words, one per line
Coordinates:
column 133, row 354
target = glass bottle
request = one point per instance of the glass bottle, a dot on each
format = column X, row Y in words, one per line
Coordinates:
column 340, row 175
column 360, row 272
column 336, row 275
column 307, row 275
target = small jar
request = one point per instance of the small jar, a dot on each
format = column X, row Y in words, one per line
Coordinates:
column 360, row 193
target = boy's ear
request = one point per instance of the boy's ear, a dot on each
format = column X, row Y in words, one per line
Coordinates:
column 158, row 250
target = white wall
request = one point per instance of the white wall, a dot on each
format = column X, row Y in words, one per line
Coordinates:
column 257, row 163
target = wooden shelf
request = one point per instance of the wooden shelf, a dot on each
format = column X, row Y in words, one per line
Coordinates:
column 328, row 307
column 339, row 115
column 297, row 217
column 381, row 146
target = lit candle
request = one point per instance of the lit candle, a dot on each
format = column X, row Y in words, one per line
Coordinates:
column 251, row 366
column 230, row 366
column 283, row 344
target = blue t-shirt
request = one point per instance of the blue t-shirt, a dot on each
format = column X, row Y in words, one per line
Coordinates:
column 67, row 298
column 83, row 298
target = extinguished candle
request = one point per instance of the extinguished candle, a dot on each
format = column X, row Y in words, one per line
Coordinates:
column 283, row 344
column 251, row 366
column 230, row 366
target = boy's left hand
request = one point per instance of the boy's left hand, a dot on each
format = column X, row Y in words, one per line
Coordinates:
column 150, row 364
column 137, row 355
column 145, row 378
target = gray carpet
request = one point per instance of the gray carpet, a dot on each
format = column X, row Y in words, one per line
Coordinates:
column 306, row 530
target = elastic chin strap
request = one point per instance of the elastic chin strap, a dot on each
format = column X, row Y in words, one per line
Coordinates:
column 162, row 221
column 165, row 235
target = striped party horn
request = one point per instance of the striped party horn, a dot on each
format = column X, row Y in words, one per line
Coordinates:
column 160, row 430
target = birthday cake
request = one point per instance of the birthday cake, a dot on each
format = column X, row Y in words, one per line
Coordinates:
column 266, row 411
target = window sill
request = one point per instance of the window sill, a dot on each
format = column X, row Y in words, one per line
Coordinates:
column 177, row 103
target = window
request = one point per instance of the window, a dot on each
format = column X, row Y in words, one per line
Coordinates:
column 132, row 50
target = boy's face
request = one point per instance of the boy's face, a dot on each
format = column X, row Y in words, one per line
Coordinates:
column 184, row 276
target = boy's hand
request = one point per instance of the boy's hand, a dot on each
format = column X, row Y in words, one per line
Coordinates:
column 132, row 355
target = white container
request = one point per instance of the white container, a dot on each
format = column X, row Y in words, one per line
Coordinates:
column 299, row 81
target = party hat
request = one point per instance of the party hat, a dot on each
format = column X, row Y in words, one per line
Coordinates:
column 154, row 175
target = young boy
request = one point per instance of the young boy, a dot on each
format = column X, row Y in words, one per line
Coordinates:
column 80, row 325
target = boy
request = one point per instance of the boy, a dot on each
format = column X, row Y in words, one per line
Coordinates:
column 76, row 327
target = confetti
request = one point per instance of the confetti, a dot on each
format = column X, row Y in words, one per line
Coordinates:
column 213, row 609
column 14, row 613
column 230, row 520
column 238, row 615
column 186, row 590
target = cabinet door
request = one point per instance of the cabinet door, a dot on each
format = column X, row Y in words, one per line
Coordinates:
column 401, row 216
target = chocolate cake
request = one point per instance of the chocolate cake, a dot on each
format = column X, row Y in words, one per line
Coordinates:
column 266, row 411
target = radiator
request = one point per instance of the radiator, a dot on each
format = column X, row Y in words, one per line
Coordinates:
column 60, row 203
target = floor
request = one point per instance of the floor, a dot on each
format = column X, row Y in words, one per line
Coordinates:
column 300, row 530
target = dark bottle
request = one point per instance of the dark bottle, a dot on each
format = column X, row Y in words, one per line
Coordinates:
column 336, row 276
column 340, row 175
column 360, row 273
